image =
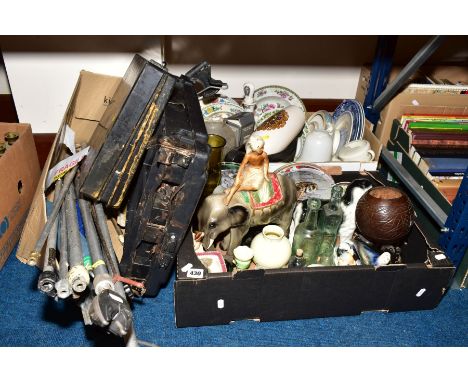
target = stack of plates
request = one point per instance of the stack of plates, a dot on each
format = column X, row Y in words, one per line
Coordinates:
column 354, row 110
column 269, row 100
column 222, row 107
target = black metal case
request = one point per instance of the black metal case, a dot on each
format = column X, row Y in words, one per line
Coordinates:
column 166, row 191
column 119, row 141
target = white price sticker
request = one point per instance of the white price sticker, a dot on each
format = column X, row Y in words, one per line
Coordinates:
column 195, row 273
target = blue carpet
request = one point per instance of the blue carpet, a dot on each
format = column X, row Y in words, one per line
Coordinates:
column 29, row 318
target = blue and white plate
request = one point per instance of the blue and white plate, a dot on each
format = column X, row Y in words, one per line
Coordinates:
column 357, row 112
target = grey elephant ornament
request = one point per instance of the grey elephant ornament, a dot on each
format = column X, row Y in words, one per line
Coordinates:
column 228, row 224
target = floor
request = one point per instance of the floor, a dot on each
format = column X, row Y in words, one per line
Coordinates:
column 29, row 318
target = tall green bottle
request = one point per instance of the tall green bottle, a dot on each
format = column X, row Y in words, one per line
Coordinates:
column 329, row 223
column 306, row 236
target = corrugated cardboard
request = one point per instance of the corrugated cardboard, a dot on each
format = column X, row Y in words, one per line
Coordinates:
column 93, row 93
column 375, row 145
column 414, row 103
column 19, row 172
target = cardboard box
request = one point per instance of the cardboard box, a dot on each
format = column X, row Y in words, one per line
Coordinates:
column 93, row 93
column 417, row 101
column 375, row 145
column 19, row 171
column 299, row 293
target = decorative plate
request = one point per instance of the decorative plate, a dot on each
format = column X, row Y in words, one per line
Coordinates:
column 213, row 261
column 321, row 119
column 357, row 111
column 311, row 181
column 271, row 99
column 343, row 128
column 228, row 174
column 221, row 107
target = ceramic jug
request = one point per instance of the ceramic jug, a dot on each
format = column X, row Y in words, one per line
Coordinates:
column 317, row 146
column 271, row 248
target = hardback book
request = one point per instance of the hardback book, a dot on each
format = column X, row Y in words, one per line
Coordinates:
column 447, row 166
column 448, row 126
column 442, row 143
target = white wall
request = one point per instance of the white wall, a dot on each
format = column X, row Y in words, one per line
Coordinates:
column 306, row 81
column 42, row 83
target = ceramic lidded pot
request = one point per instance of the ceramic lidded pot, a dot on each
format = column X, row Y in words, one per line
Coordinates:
column 317, row 147
column 271, row 248
column 281, row 128
column 384, row 215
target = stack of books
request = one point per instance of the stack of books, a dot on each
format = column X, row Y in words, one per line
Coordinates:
column 439, row 146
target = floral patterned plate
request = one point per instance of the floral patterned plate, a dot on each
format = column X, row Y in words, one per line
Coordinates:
column 311, row 181
column 220, row 108
column 271, row 99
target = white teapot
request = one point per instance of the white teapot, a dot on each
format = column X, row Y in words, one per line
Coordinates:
column 317, row 146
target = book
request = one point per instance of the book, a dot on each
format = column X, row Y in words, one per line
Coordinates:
column 446, row 166
column 444, row 152
column 439, row 135
column 448, row 126
column 407, row 118
column 442, row 143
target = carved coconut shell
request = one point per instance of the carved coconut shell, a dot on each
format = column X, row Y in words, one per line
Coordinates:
column 384, row 215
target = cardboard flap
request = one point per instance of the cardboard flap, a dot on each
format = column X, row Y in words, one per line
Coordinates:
column 94, row 95
column 375, row 144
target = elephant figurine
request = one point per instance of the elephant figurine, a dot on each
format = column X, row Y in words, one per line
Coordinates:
column 230, row 223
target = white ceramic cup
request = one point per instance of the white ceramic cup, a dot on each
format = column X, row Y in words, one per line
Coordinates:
column 243, row 256
column 356, row 151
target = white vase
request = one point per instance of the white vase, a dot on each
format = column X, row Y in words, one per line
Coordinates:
column 280, row 129
column 271, row 248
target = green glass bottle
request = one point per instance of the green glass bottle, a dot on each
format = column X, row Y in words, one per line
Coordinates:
column 298, row 260
column 306, row 236
column 329, row 223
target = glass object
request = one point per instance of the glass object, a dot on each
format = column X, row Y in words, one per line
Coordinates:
column 219, row 127
column 3, row 148
column 330, row 220
column 216, row 143
column 298, row 260
column 11, row 137
column 306, row 236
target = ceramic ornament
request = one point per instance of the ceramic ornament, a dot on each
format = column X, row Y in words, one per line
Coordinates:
column 248, row 102
column 280, row 129
column 271, row 248
column 257, row 197
column 353, row 194
column 295, row 221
